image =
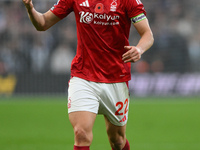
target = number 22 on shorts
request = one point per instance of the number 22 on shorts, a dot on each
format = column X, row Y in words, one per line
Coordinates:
column 121, row 105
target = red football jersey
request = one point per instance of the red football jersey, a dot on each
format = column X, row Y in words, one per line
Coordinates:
column 102, row 30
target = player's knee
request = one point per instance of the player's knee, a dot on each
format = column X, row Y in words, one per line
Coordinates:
column 117, row 143
column 82, row 137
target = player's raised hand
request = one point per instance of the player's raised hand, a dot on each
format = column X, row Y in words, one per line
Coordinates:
column 133, row 54
column 28, row 4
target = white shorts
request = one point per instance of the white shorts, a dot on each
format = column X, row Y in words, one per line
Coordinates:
column 109, row 99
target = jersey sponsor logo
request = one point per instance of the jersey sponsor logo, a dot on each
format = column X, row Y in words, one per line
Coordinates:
column 100, row 19
column 113, row 6
column 106, row 23
column 86, row 4
column 99, row 8
column 86, row 17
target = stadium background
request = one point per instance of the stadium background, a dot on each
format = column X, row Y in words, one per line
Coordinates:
column 35, row 69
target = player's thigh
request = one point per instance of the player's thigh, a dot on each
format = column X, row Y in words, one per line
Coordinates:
column 115, row 133
column 82, row 120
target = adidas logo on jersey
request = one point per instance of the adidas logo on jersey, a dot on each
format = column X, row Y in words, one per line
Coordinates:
column 86, row 3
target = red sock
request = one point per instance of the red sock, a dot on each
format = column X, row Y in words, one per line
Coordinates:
column 126, row 147
column 81, row 147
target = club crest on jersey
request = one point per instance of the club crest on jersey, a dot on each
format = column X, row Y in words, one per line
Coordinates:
column 99, row 8
column 113, row 6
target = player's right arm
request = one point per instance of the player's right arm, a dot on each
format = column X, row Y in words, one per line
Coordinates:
column 41, row 21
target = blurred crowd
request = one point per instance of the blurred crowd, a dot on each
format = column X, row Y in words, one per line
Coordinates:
column 175, row 25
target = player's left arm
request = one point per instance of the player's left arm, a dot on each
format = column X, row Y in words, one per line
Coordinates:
column 134, row 53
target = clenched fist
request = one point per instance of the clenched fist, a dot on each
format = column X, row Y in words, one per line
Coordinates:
column 28, row 4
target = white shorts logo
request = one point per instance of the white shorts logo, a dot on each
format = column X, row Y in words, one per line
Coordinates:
column 69, row 103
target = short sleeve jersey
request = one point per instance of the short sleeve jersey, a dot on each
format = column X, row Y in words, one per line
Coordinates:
column 103, row 28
